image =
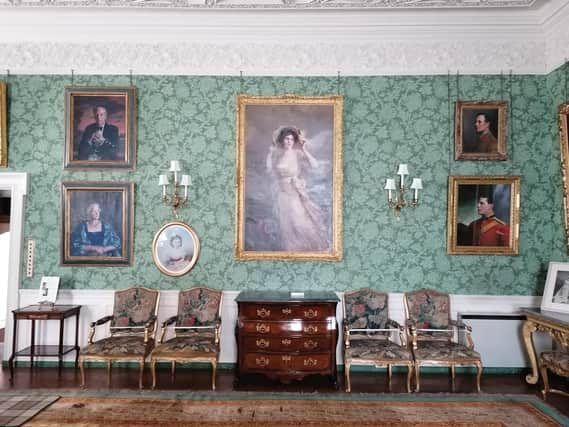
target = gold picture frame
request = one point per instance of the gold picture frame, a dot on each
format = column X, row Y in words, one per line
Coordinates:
column 175, row 248
column 3, row 129
column 100, row 128
column 564, row 150
column 483, row 215
column 289, row 178
column 97, row 223
column 480, row 130
column 556, row 291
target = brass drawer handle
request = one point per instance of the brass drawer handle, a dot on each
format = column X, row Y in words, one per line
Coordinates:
column 310, row 329
column 262, row 328
column 263, row 312
column 286, row 358
column 310, row 362
column 261, row 343
column 262, row 361
column 310, row 345
column 310, row 314
column 287, row 310
column 37, row 317
column 286, row 341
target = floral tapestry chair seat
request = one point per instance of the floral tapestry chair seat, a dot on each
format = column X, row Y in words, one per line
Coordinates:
column 196, row 332
column 556, row 361
column 433, row 334
column 132, row 330
column 368, row 334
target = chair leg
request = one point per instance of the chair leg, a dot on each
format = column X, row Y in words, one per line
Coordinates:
column 543, row 372
column 409, row 374
column 82, row 370
column 389, row 373
column 417, row 372
column 172, row 370
column 153, row 371
column 347, row 375
column 478, row 375
column 453, row 377
column 141, row 371
column 213, row 373
column 109, row 373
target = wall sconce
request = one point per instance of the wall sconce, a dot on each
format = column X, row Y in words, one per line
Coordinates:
column 173, row 197
column 396, row 196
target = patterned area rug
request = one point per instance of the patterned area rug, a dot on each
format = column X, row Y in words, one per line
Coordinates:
column 15, row 409
column 294, row 410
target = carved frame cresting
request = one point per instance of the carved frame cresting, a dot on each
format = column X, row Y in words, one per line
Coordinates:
column 468, row 144
column 483, row 230
column 564, row 149
column 113, row 246
column 88, row 145
column 276, row 197
column 3, row 124
column 175, row 248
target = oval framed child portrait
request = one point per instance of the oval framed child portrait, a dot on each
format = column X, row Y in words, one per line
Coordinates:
column 175, row 248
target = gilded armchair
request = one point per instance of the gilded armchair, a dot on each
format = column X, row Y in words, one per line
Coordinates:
column 368, row 334
column 556, row 361
column 434, row 334
column 132, row 329
column 196, row 332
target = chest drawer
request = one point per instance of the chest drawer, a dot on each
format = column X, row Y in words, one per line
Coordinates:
column 288, row 344
column 287, row 311
column 287, row 328
column 312, row 362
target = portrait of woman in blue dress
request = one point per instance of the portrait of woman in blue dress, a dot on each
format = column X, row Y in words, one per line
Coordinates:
column 94, row 237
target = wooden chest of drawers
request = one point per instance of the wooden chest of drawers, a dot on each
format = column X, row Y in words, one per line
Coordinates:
column 286, row 338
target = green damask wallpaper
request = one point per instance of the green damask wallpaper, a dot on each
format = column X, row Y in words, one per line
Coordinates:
column 387, row 120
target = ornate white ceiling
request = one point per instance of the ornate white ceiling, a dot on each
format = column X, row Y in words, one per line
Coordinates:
column 283, row 37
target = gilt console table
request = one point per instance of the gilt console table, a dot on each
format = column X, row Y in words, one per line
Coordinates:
column 287, row 336
column 44, row 312
column 555, row 324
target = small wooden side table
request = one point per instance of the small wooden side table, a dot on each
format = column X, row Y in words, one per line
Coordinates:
column 44, row 312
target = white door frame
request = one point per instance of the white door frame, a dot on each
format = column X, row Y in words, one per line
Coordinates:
column 17, row 184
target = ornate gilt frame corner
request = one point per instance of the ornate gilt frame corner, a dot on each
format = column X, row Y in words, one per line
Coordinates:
column 336, row 102
column 501, row 108
column 3, row 124
column 453, row 247
column 564, row 150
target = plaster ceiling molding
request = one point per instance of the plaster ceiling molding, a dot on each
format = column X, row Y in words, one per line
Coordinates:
column 278, row 4
column 379, row 58
column 557, row 37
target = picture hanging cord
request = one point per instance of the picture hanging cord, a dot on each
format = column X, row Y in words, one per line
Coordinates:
column 510, row 120
column 7, row 74
column 338, row 83
column 450, row 151
column 457, row 85
column 72, row 76
column 130, row 72
column 566, row 72
column 241, row 81
column 501, row 85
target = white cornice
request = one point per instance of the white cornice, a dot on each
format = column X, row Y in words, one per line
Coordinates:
column 105, row 40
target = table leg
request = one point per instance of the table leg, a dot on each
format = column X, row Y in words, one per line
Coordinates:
column 528, row 329
column 60, row 348
column 32, row 343
column 12, row 360
column 76, row 339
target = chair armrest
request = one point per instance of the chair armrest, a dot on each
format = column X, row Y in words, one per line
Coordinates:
column 467, row 330
column 149, row 327
column 93, row 325
column 164, row 325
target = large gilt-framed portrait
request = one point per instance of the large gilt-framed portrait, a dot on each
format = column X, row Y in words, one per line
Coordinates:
column 100, row 128
column 289, row 178
column 97, row 223
column 556, row 292
column 480, row 130
column 175, row 248
column 3, row 124
column 564, row 149
column 483, row 215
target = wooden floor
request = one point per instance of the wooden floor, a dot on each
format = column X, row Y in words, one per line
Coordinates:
column 199, row 380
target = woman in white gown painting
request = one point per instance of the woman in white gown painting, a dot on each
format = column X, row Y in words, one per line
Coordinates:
column 301, row 221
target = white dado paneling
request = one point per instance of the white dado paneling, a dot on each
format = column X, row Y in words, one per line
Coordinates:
column 98, row 303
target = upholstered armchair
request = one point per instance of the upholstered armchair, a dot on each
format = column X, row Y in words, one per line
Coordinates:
column 196, row 332
column 434, row 334
column 368, row 334
column 556, row 361
column 132, row 329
